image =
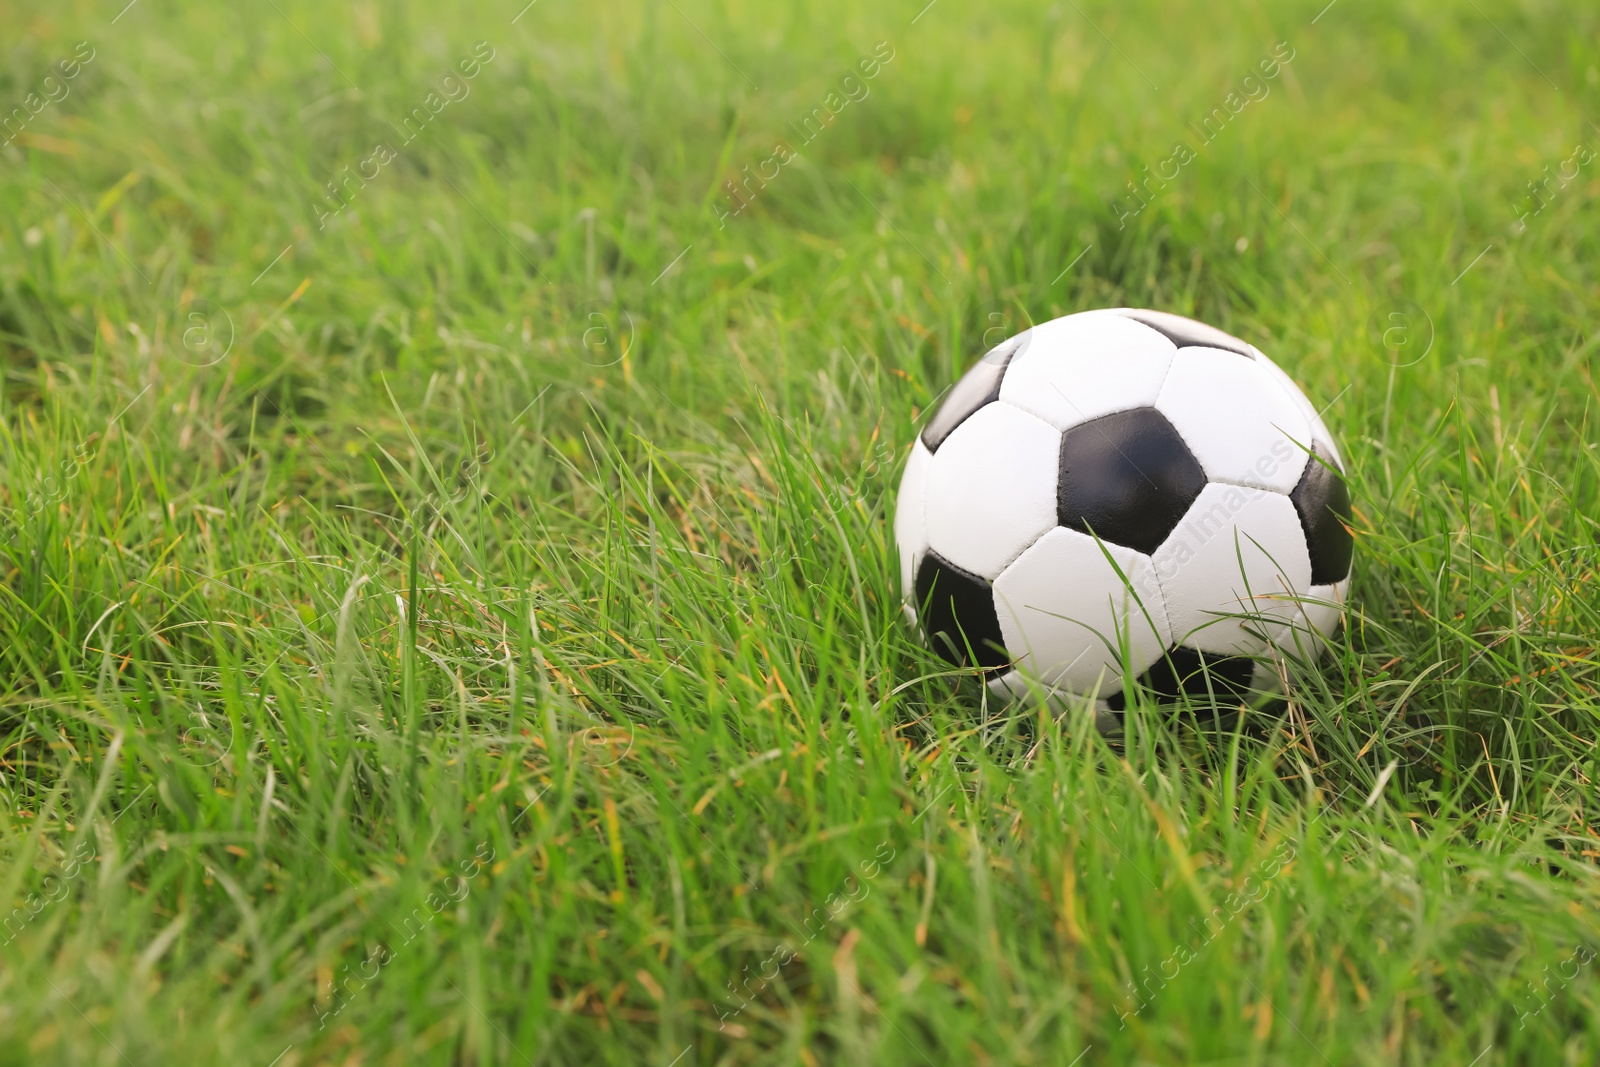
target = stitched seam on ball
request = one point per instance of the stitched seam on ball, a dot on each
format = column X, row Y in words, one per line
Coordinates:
column 1173, row 638
column 1160, row 395
column 1145, row 610
column 1024, row 549
column 1166, row 607
column 1025, row 411
column 1131, row 405
column 1055, row 489
column 1256, row 488
column 1141, row 613
column 1146, row 326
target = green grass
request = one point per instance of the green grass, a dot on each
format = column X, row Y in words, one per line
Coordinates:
column 468, row 601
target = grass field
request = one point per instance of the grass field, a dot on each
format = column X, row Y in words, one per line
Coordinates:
column 448, row 611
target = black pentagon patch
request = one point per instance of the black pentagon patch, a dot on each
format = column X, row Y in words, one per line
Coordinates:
column 1127, row 478
column 957, row 612
column 977, row 387
column 1323, row 502
column 1186, row 672
column 1190, row 333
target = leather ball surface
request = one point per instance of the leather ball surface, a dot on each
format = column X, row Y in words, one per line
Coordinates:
column 1125, row 495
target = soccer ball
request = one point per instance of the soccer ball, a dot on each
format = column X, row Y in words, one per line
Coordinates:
column 1125, row 495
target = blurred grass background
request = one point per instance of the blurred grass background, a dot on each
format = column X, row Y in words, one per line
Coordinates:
column 462, row 628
